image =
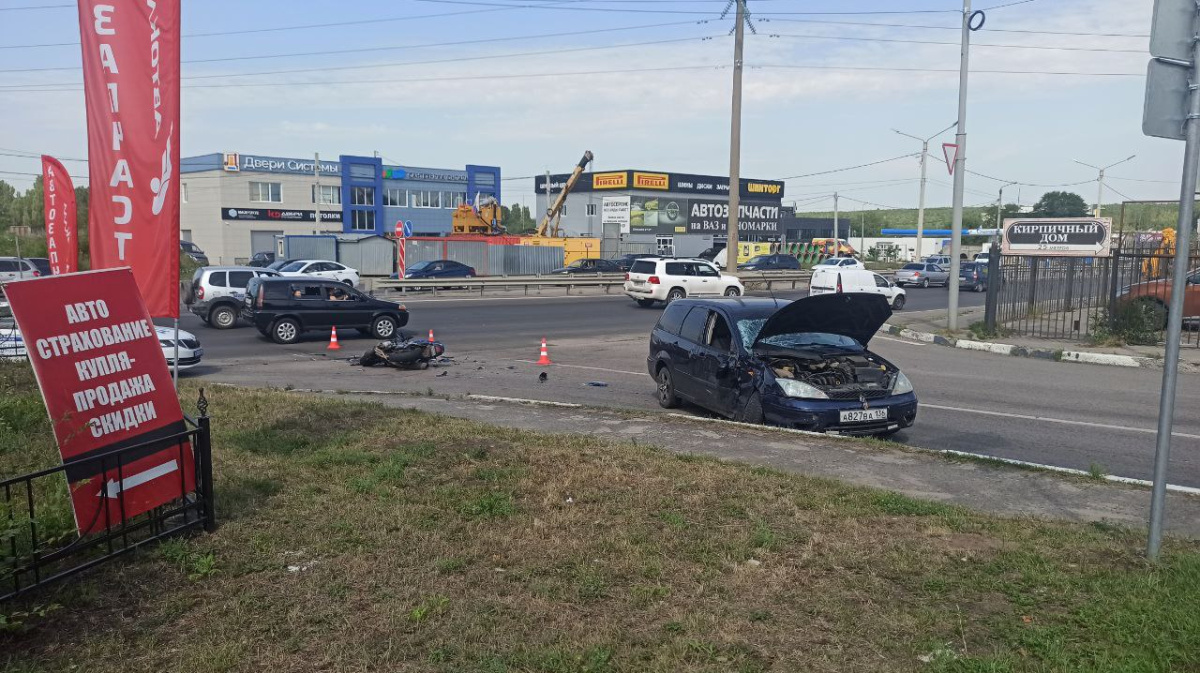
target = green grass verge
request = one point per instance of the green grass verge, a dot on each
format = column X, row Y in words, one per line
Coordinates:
column 355, row 537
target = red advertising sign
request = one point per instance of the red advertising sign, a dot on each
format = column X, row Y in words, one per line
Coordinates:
column 58, row 196
column 105, row 381
column 131, row 88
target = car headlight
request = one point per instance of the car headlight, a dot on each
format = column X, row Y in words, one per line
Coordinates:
column 794, row 388
column 902, row 384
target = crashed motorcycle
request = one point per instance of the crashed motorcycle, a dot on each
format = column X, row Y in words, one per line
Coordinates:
column 404, row 353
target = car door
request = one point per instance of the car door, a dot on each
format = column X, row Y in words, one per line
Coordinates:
column 337, row 272
column 714, row 368
column 883, row 286
column 710, row 280
column 237, row 282
column 688, row 359
column 311, row 304
column 937, row 274
column 1191, row 296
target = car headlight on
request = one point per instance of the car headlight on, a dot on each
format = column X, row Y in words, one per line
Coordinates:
column 794, row 388
column 902, row 384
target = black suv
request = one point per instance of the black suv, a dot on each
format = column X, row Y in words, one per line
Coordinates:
column 284, row 308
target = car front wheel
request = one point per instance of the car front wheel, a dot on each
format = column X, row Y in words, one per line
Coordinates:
column 733, row 292
column 222, row 317
column 384, row 327
column 285, row 331
column 753, row 411
column 666, row 389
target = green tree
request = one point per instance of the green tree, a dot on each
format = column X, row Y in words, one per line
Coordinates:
column 1060, row 204
column 987, row 214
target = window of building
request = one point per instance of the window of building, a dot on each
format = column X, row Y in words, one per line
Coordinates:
column 183, row 192
column 591, row 210
column 330, row 194
column 362, row 196
column 395, row 197
column 362, row 172
column 266, row 192
column 362, row 220
column 665, row 245
column 453, row 199
column 425, row 199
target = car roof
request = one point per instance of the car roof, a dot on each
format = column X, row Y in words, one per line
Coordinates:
column 232, row 268
column 739, row 307
column 298, row 279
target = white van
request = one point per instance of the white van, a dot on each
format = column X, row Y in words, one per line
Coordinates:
column 833, row 279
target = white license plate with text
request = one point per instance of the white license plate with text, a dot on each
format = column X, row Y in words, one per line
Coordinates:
column 863, row 415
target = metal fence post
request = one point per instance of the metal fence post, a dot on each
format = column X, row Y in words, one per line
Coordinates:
column 1033, row 268
column 993, row 289
column 204, row 453
column 1114, row 272
column 1070, row 292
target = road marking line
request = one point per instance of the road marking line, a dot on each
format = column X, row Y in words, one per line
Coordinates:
column 899, row 341
column 1047, row 419
column 597, row 369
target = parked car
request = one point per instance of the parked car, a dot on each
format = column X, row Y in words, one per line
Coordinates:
column 190, row 351
column 12, row 346
column 439, row 268
column 802, row 364
column 669, row 279
column 261, row 259
column 18, row 268
column 319, row 268
column 192, row 250
column 284, row 308
column 839, row 263
column 216, row 292
column 711, row 253
column 982, row 257
column 940, row 260
column 923, row 274
column 777, row 262
column 1155, row 295
column 832, row 281
column 625, row 262
column 973, row 275
column 590, row 265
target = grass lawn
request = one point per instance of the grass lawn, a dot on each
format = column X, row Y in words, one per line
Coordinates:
column 355, row 538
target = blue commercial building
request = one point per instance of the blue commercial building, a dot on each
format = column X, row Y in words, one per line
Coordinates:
column 234, row 205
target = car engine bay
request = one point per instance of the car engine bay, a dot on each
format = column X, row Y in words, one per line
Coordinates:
column 847, row 374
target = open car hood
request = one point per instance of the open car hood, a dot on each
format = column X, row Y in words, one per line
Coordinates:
column 854, row 315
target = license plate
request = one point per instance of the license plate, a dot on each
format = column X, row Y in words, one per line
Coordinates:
column 199, row 352
column 863, row 415
column 638, row 282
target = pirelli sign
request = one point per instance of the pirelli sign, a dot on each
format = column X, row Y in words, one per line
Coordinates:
column 610, row 180
column 651, row 181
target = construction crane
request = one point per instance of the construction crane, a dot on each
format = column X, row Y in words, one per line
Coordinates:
column 554, row 212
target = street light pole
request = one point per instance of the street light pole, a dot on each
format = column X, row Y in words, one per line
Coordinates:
column 1100, row 180
column 921, row 202
column 960, row 167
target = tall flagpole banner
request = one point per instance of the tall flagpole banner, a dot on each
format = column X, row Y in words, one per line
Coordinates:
column 58, row 199
column 131, row 87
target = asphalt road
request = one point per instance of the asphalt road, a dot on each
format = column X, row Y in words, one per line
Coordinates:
column 1062, row 414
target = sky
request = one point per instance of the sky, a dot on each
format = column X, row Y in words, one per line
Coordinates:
column 528, row 85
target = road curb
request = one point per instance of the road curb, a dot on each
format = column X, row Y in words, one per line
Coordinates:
column 1084, row 357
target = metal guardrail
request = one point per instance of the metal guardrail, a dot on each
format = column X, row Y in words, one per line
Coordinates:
column 568, row 281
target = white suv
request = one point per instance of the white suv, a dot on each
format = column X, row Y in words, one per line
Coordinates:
column 668, row 279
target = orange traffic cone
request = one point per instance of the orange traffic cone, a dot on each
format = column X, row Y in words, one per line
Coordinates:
column 545, row 356
column 431, row 336
column 333, row 344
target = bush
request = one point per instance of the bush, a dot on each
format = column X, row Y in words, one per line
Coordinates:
column 1137, row 323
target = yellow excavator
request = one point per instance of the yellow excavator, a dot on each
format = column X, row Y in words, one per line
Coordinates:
column 1156, row 266
column 554, row 213
column 485, row 219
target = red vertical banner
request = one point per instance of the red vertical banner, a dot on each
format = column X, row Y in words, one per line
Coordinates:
column 131, row 88
column 58, row 199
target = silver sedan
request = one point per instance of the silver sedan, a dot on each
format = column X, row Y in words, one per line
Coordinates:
column 919, row 273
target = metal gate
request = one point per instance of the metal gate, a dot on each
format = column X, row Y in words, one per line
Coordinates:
column 263, row 241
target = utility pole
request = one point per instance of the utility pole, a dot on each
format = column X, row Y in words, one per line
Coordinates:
column 1100, row 180
column 317, row 187
column 735, row 142
column 960, row 166
column 1183, row 233
column 1000, row 204
column 921, row 203
column 837, row 247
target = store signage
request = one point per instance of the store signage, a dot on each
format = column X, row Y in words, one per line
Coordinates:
column 651, row 181
column 712, row 217
column 771, row 188
column 610, row 180
column 394, row 174
column 106, row 385
column 657, row 215
column 245, row 162
column 429, row 175
column 58, row 205
column 1060, row 237
column 231, row 162
column 615, row 210
column 279, row 215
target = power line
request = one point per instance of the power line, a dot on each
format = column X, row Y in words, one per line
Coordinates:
column 850, row 168
column 953, row 70
column 572, row 7
column 1162, row 182
column 958, row 28
column 25, row 7
column 399, row 47
column 955, row 44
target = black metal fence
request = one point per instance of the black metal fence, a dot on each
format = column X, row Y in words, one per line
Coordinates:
column 38, row 541
column 1119, row 298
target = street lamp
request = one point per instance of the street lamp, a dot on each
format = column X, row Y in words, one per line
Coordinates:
column 1100, row 191
column 921, row 204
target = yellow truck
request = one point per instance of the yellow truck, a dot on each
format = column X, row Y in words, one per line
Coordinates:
column 746, row 252
column 573, row 248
